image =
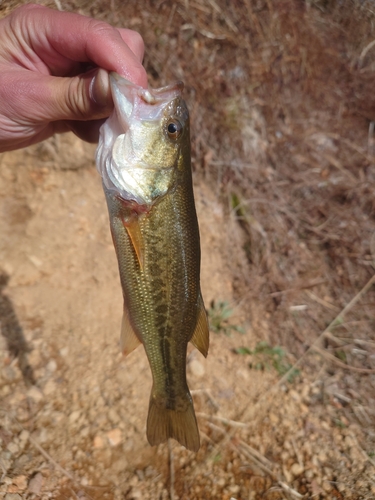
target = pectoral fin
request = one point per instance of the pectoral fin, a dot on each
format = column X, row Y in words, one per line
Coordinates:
column 134, row 232
column 128, row 340
column 200, row 338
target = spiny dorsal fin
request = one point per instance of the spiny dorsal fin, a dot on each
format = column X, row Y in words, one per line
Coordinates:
column 128, row 340
column 200, row 338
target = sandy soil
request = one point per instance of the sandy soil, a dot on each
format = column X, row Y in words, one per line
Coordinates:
column 73, row 411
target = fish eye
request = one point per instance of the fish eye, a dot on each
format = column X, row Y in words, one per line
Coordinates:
column 174, row 129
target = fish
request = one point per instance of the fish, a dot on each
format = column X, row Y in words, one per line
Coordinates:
column 144, row 158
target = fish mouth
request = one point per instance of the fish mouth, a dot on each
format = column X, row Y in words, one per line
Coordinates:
column 134, row 102
column 149, row 96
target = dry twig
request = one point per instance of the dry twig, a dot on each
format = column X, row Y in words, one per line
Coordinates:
column 171, row 470
column 226, row 421
column 338, row 318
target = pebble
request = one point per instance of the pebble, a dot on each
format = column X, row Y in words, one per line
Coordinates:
column 294, row 395
column 274, row 419
column 135, row 494
column 24, row 436
column 13, row 496
column 326, row 485
column 13, row 448
column 35, row 394
column 51, row 366
column 309, row 474
column 114, row 437
column 98, row 442
column 9, row 374
column 114, row 416
column 196, row 368
column 64, row 351
column 49, row 388
column 296, row 469
column 20, row 482
column 74, row 416
column 36, row 483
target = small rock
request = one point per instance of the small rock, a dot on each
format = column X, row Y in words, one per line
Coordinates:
column 20, row 482
column 34, row 260
column 322, row 456
column 74, row 416
column 114, row 437
column 309, row 474
column 85, row 432
column 234, row 489
column 13, row 496
column 294, row 395
column 64, row 351
column 196, row 368
column 327, row 486
column 98, row 442
column 13, row 448
column 274, row 419
column 13, row 488
column 24, row 436
column 36, row 483
column 35, row 394
column 296, row 469
column 50, row 387
column 9, row 374
column 113, row 416
column 52, row 365
column 135, row 494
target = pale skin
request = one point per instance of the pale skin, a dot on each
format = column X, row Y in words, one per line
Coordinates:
column 54, row 73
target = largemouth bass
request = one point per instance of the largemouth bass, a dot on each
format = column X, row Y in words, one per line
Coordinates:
column 143, row 157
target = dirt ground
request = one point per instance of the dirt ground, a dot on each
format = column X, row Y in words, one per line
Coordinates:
column 285, row 197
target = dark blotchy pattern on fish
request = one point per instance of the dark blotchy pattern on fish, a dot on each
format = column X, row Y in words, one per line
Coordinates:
column 163, row 298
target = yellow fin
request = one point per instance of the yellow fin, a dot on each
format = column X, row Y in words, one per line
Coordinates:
column 128, row 340
column 134, row 232
column 200, row 338
column 180, row 425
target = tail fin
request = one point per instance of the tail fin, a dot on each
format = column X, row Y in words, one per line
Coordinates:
column 180, row 425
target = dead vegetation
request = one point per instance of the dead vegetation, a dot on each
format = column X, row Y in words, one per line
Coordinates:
column 282, row 103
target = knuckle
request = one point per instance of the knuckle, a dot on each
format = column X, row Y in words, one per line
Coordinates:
column 137, row 42
column 99, row 28
column 75, row 99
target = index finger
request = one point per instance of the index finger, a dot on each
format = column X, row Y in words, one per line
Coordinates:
column 57, row 36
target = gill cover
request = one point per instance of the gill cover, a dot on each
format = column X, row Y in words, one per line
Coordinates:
column 140, row 142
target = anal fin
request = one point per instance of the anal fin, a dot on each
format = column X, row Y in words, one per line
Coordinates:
column 200, row 338
column 128, row 340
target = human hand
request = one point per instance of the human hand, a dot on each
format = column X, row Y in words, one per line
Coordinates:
column 50, row 76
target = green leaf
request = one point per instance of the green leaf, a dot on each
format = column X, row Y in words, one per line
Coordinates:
column 243, row 350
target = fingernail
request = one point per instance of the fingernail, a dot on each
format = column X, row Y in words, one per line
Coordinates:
column 100, row 92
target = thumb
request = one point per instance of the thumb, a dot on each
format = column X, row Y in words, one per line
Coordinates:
column 83, row 97
column 33, row 98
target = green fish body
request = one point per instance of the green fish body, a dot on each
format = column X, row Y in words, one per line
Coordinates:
column 146, row 171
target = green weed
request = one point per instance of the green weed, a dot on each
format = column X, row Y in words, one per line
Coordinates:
column 266, row 357
column 218, row 315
